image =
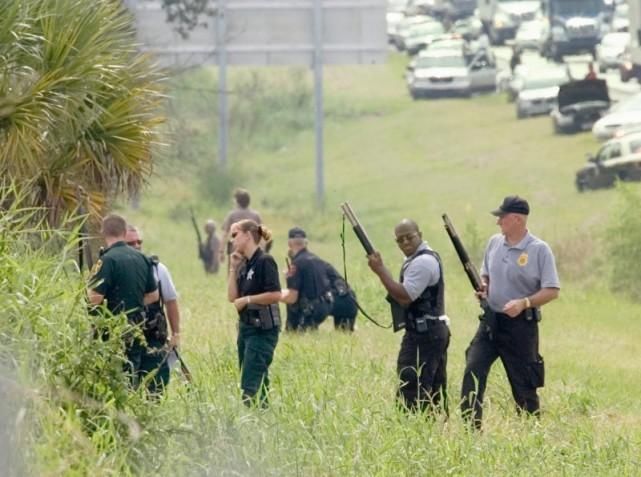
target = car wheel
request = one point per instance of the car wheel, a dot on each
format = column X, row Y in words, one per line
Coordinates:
column 603, row 69
column 414, row 95
column 557, row 128
column 580, row 186
column 520, row 114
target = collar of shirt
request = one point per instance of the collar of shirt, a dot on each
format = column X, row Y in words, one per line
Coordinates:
column 522, row 245
column 421, row 247
column 300, row 252
column 252, row 260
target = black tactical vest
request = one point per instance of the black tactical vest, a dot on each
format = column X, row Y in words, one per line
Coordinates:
column 432, row 300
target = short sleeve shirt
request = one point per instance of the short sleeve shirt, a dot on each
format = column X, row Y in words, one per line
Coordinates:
column 237, row 215
column 123, row 276
column 258, row 275
column 167, row 287
column 309, row 275
column 419, row 272
column 517, row 271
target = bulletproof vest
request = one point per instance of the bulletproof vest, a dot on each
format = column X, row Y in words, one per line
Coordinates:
column 432, row 300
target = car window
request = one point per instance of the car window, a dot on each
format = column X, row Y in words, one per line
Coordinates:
column 615, row 151
column 609, row 151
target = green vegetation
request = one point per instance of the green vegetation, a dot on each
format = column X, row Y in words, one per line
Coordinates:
column 332, row 410
column 78, row 104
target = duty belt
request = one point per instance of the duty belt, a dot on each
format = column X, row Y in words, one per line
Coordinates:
column 529, row 315
column 421, row 323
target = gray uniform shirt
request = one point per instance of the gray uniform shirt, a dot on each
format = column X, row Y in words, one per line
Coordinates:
column 420, row 272
column 517, row 271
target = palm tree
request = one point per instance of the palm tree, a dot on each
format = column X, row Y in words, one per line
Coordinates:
column 79, row 105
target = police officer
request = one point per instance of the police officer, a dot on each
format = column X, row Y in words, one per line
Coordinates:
column 307, row 293
column 210, row 250
column 254, row 289
column 344, row 308
column 422, row 359
column 155, row 328
column 519, row 276
column 123, row 278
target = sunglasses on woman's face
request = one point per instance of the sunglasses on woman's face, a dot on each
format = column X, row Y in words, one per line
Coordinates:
column 233, row 235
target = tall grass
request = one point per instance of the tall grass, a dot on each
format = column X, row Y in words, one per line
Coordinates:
column 332, row 405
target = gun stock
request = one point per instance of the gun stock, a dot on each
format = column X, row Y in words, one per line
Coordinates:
column 358, row 228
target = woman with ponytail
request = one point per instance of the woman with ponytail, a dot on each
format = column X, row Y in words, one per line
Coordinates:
column 254, row 289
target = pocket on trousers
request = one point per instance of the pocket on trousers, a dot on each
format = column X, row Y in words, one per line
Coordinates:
column 536, row 370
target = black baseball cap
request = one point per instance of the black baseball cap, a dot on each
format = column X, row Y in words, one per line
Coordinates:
column 296, row 232
column 512, row 204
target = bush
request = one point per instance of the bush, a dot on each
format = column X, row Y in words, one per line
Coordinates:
column 70, row 386
column 623, row 245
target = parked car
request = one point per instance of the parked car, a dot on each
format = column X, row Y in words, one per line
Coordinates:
column 394, row 15
column 579, row 105
column 403, row 27
column 618, row 159
column 530, row 35
column 621, row 18
column 421, row 35
column 539, row 92
column 610, row 50
column 447, row 72
column 469, row 28
column 625, row 115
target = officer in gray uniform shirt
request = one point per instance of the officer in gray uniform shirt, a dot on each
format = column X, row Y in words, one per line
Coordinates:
column 422, row 359
column 519, row 276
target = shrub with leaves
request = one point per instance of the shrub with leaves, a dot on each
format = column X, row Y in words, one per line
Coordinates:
column 78, row 103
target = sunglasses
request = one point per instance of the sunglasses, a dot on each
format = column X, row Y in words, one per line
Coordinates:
column 134, row 242
column 405, row 238
column 234, row 235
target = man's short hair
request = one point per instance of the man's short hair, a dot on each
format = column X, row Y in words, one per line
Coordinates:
column 242, row 198
column 114, row 225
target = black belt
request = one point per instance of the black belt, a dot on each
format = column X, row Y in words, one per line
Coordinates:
column 529, row 314
column 420, row 324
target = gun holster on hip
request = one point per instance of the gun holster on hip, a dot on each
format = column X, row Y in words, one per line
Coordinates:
column 489, row 318
column 265, row 317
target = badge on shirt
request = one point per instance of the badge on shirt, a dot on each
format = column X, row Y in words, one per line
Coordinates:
column 250, row 274
column 522, row 260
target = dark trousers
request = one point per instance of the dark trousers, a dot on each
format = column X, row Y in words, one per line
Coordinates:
column 144, row 360
column 344, row 311
column 299, row 321
column 422, row 367
column 516, row 342
column 255, row 354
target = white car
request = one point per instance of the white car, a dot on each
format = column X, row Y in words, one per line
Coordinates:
column 421, row 35
column 448, row 72
column 624, row 116
column 403, row 27
column 621, row 18
column 610, row 50
column 530, row 35
column 539, row 93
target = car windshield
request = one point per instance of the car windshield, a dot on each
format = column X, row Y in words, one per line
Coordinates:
column 427, row 29
column 544, row 82
column 615, row 39
column 569, row 8
column 440, row 62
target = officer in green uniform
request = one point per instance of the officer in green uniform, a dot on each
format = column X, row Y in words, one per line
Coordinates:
column 123, row 279
column 254, row 289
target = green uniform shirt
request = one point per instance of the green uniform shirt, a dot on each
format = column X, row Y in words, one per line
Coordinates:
column 123, row 275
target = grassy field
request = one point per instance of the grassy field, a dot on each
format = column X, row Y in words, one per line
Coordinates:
column 332, row 410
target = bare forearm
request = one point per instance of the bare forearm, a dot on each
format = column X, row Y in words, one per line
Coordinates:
column 267, row 298
column 394, row 288
column 173, row 315
column 232, row 286
column 543, row 296
column 95, row 298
